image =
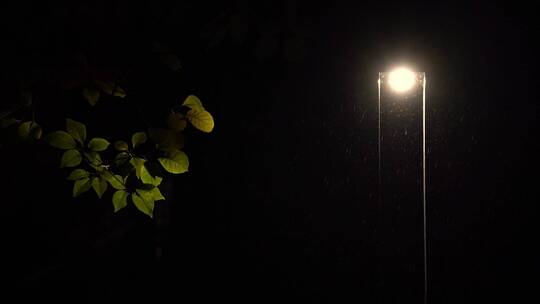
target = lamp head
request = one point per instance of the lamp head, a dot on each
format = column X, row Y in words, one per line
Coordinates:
column 401, row 79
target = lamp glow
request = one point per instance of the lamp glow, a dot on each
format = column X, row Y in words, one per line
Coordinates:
column 401, row 80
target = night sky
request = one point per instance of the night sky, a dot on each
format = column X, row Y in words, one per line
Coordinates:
column 280, row 202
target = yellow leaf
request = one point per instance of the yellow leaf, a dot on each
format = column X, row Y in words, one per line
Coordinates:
column 194, row 103
column 201, row 120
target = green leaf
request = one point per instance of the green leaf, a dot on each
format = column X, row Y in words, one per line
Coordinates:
column 29, row 129
column 71, row 158
column 138, row 164
column 138, row 138
column 176, row 163
column 144, row 205
column 98, row 144
column 91, row 95
column 167, row 140
column 93, row 158
column 121, row 145
column 99, row 185
column 81, row 186
column 201, row 120
column 61, row 140
column 146, row 178
column 110, row 88
column 176, row 121
column 78, row 174
column 77, row 130
column 157, row 181
column 193, row 103
column 119, row 200
column 145, row 194
column 156, row 194
column 116, row 181
column 121, row 158
column 140, row 170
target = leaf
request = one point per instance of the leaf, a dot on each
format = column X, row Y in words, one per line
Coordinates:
column 145, row 206
column 176, row 121
column 201, row 120
column 145, row 195
column 119, row 200
column 121, row 145
column 121, row 158
column 78, row 174
column 60, row 140
column 29, row 129
column 157, row 181
column 81, row 186
column 167, row 140
column 71, row 158
column 91, row 95
column 116, row 181
column 6, row 122
column 156, row 194
column 176, row 163
column 98, row 144
column 138, row 164
column 138, row 138
column 100, row 186
column 140, row 170
column 194, row 103
column 94, row 158
column 110, row 88
column 77, row 130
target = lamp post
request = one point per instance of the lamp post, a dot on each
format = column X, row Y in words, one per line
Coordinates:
column 402, row 179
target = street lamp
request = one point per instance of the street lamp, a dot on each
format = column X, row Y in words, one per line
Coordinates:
column 402, row 151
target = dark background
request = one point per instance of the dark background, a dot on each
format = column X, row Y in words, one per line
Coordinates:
column 280, row 203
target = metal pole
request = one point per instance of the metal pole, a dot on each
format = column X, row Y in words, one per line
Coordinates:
column 424, row 185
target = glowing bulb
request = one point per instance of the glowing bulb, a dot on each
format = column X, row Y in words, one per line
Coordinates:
column 401, row 80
